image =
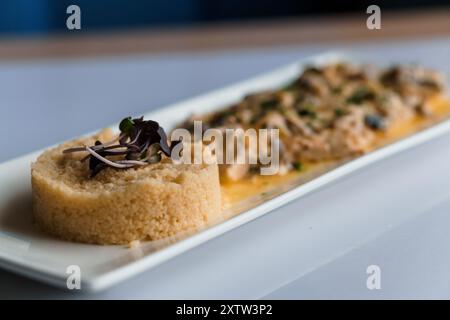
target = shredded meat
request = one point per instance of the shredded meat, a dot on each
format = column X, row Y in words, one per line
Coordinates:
column 329, row 112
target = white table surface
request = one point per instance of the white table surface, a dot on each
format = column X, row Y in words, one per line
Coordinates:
column 44, row 102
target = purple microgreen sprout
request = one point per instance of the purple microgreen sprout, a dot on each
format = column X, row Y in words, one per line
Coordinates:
column 140, row 142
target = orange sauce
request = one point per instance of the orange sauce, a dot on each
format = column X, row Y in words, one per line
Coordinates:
column 235, row 192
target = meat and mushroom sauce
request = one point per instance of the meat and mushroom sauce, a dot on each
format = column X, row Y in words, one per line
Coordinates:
column 329, row 112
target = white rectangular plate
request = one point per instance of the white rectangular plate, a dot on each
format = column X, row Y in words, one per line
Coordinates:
column 26, row 251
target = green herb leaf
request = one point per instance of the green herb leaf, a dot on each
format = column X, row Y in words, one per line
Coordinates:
column 336, row 90
column 269, row 104
column 339, row 112
column 361, row 94
column 307, row 113
column 126, row 125
column 298, row 166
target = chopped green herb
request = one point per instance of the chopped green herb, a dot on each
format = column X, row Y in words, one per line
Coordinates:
column 336, row 90
column 298, row 166
column 307, row 110
column 307, row 113
column 269, row 104
column 361, row 94
column 339, row 112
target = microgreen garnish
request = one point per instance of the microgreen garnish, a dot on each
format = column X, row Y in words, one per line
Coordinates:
column 140, row 142
column 126, row 125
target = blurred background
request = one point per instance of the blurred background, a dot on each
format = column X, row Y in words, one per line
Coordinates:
column 48, row 16
column 37, row 28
